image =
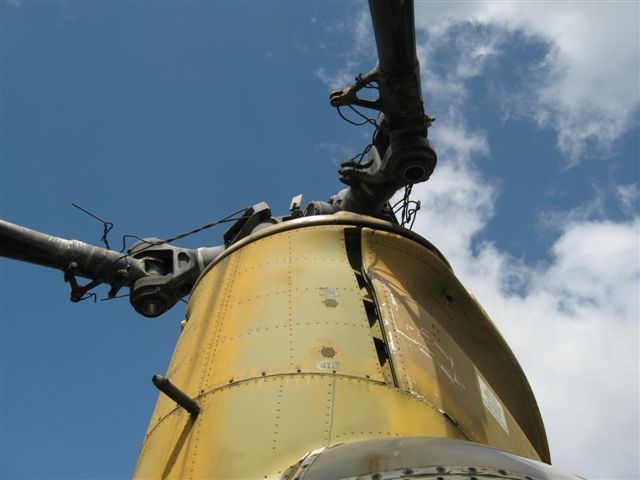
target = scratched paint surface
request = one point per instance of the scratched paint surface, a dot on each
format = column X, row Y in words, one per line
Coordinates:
column 279, row 353
column 414, row 296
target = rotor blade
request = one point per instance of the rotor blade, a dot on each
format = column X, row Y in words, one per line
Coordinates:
column 21, row 243
column 394, row 29
column 399, row 77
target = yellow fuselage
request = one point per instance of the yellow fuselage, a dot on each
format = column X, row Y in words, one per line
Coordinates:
column 328, row 330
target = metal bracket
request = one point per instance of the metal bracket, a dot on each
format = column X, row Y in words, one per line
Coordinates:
column 123, row 276
column 349, row 95
column 251, row 218
column 174, row 393
column 294, row 208
column 78, row 291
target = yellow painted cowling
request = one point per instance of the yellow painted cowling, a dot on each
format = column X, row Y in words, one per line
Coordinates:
column 328, row 330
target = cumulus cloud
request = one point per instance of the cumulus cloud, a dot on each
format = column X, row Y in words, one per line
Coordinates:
column 456, row 202
column 585, row 87
column 629, row 197
column 556, row 219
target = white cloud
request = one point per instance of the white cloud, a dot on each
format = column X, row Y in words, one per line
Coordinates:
column 557, row 219
column 585, row 88
column 335, row 80
column 575, row 331
column 456, row 202
column 628, row 196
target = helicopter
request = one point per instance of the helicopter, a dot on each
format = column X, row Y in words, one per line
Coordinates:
column 354, row 220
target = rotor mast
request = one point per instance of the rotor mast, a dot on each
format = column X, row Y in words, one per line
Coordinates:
column 400, row 154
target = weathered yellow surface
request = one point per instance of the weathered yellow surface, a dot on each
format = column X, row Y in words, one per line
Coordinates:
column 261, row 426
column 278, row 351
column 428, row 316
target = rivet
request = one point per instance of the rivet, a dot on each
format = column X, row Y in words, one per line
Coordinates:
column 440, row 469
column 407, row 471
column 472, row 469
column 376, row 476
column 502, row 472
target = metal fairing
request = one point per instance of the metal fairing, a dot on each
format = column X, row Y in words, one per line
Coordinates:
column 405, row 458
column 447, row 350
column 326, row 331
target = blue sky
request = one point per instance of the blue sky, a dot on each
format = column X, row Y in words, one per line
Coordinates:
column 163, row 115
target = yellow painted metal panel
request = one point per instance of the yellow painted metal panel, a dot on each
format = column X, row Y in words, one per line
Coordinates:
column 285, row 304
column 366, row 409
column 164, row 447
column 192, row 352
column 279, row 353
column 291, row 297
column 410, row 284
column 261, row 426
